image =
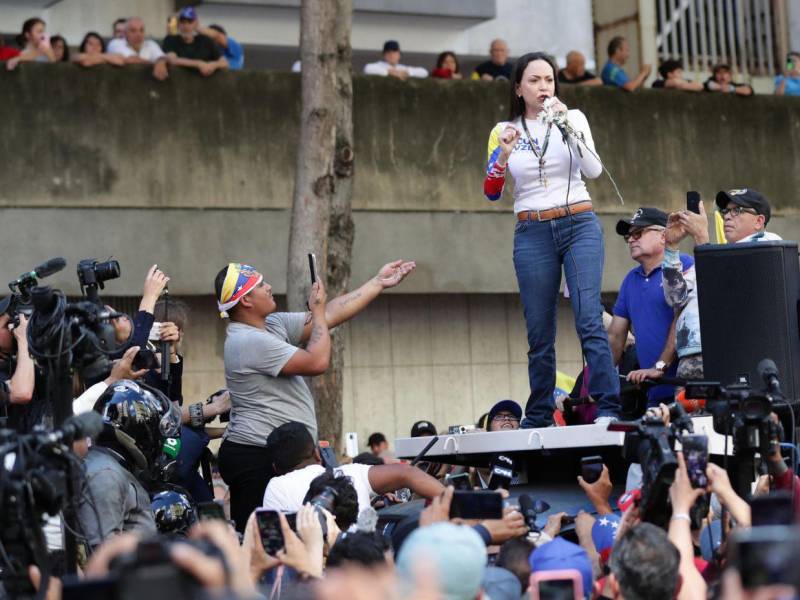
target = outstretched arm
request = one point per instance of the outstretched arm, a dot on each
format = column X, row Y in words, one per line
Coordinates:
column 348, row 305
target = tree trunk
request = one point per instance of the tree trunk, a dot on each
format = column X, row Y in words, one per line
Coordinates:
column 321, row 210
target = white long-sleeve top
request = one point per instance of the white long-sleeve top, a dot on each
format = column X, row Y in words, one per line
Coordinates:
column 529, row 193
column 382, row 68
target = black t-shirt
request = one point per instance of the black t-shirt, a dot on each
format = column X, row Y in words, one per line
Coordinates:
column 562, row 77
column 496, row 71
column 202, row 47
column 710, row 80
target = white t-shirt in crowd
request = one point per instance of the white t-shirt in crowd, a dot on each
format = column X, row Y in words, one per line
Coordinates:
column 286, row 493
column 150, row 50
column 382, row 68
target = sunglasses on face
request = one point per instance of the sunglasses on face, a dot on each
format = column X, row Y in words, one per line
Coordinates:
column 635, row 235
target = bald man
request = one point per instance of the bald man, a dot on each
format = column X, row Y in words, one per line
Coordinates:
column 497, row 67
column 136, row 49
column 575, row 72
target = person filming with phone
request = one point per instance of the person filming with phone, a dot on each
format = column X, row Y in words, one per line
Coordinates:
column 267, row 354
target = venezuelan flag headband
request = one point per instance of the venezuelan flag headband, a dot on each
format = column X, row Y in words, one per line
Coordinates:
column 239, row 281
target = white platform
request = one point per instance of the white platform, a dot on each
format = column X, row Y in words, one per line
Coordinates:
column 533, row 440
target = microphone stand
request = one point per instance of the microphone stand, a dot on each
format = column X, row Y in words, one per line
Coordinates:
column 165, row 353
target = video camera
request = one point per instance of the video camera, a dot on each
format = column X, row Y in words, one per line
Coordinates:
column 19, row 302
column 80, row 334
column 39, row 475
column 650, row 443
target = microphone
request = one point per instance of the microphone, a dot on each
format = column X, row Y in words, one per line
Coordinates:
column 501, row 472
column 88, row 424
column 47, row 268
column 768, row 371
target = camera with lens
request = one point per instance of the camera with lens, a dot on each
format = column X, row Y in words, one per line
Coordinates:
column 93, row 274
column 326, row 499
column 20, row 301
column 40, row 475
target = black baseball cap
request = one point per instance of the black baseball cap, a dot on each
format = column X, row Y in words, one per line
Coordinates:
column 643, row 217
column 747, row 199
column 421, row 428
column 505, row 405
column 391, row 46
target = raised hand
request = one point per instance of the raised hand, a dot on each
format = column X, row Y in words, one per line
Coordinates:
column 394, row 272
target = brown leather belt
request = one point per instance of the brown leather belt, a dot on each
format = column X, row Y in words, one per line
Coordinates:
column 554, row 213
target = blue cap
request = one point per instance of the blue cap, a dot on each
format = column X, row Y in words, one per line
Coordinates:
column 559, row 555
column 188, row 13
column 506, row 405
column 455, row 553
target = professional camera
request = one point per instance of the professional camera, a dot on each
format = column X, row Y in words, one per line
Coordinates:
column 147, row 572
column 19, row 302
column 93, row 274
column 38, row 474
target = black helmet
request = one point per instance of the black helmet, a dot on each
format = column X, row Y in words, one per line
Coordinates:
column 142, row 418
column 173, row 511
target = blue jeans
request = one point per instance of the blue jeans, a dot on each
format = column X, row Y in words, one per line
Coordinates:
column 541, row 249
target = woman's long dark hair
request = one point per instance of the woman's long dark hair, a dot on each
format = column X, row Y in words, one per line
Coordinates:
column 93, row 34
column 445, row 54
column 56, row 38
column 517, row 103
column 27, row 27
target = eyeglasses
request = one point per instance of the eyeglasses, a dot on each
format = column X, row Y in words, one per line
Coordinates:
column 736, row 211
column 505, row 418
column 635, row 235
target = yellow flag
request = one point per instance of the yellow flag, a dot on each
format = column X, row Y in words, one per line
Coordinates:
column 719, row 227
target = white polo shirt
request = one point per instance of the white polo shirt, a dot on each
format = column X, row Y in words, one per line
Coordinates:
column 286, row 493
column 150, row 50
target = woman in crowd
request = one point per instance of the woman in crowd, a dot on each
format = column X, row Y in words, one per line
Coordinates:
column 92, row 52
column 34, row 43
column 556, row 228
column 447, row 66
column 60, row 48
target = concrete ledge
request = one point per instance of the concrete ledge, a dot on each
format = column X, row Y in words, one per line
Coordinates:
column 456, row 252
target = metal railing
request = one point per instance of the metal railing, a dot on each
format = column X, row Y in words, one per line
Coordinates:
column 748, row 35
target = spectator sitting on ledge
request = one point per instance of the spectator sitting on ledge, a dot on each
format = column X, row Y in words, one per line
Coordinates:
column 575, row 71
column 60, row 48
column 92, row 52
column 447, row 66
column 192, row 49
column 231, row 49
column 35, row 44
column 136, row 49
column 671, row 72
column 721, row 80
column 497, row 67
column 614, row 74
column 118, row 29
column 788, row 84
column 390, row 65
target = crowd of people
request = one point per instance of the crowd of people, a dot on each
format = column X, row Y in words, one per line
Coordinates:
column 187, row 44
column 208, row 49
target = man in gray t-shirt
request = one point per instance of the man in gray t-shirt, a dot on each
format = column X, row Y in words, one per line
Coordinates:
column 267, row 354
column 261, row 398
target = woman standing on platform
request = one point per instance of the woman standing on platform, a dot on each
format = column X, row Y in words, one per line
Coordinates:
column 555, row 228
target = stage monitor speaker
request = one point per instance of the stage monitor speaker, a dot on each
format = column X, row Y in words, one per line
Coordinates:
column 748, row 300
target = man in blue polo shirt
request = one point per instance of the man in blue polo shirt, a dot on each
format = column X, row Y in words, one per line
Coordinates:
column 613, row 72
column 641, row 305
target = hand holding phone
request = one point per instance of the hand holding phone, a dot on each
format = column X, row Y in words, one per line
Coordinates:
column 566, row 584
column 591, row 468
column 693, row 202
column 476, row 505
column 695, row 452
column 269, row 529
column 312, row 267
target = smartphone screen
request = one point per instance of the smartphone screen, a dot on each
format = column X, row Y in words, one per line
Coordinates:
column 210, row 510
column 155, row 332
column 693, row 202
column 459, row 482
column 766, row 556
column 476, row 505
column 557, row 589
column 695, row 453
column 269, row 528
column 312, row 267
column 591, row 468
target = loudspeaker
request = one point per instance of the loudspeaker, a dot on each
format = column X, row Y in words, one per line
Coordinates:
column 748, row 298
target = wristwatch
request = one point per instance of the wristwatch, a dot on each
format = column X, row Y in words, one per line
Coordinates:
column 662, row 366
